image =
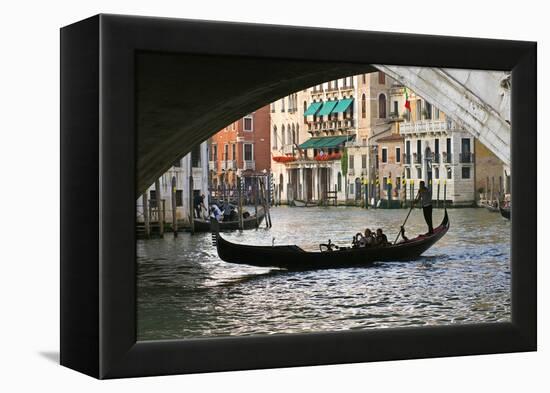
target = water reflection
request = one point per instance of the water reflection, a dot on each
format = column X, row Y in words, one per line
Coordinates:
column 184, row 290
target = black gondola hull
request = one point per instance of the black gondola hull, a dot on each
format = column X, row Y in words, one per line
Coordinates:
column 295, row 258
column 505, row 212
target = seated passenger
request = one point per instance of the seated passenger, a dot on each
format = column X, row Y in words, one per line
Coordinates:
column 359, row 240
column 216, row 213
column 369, row 238
column 381, row 239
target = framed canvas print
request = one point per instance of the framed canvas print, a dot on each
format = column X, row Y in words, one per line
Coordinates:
column 240, row 196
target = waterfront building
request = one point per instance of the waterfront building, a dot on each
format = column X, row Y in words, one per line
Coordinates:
column 390, row 167
column 492, row 176
column 329, row 123
column 240, row 149
column 174, row 184
column 437, row 151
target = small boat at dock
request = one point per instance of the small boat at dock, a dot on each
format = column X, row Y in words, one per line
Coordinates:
column 300, row 203
column 250, row 222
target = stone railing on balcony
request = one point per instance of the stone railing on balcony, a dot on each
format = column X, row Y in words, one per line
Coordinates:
column 407, row 159
column 447, row 158
column 249, row 165
column 417, row 158
column 229, row 165
column 466, row 158
column 436, row 158
column 425, row 126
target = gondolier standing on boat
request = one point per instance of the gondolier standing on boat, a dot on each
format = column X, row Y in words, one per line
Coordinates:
column 425, row 196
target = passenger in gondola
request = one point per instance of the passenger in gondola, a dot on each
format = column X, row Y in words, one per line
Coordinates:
column 215, row 212
column 381, row 238
column 369, row 238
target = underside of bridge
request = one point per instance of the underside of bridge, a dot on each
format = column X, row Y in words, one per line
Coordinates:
column 184, row 99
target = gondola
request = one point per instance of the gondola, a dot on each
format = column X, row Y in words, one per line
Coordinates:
column 295, row 258
column 492, row 209
column 505, row 212
column 202, row 225
column 300, row 203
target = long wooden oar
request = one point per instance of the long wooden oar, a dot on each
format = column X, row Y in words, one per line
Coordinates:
column 406, row 218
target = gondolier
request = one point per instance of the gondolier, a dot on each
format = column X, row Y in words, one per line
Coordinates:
column 425, row 196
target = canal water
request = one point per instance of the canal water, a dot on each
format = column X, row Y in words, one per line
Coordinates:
column 186, row 291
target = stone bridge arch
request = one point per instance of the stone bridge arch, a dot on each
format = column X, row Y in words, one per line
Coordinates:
column 184, row 99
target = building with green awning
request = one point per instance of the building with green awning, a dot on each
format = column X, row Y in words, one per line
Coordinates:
column 313, row 108
column 325, row 142
column 327, row 108
column 342, row 105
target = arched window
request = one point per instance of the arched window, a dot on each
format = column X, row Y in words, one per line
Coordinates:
column 274, row 144
column 382, row 106
column 339, row 181
column 283, row 135
column 288, row 134
column 363, row 106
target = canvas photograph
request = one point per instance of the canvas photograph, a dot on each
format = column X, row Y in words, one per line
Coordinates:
column 320, row 199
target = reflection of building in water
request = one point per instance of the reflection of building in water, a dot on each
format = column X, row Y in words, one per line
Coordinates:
column 240, row 149
column 309, row 142
column 195, row 164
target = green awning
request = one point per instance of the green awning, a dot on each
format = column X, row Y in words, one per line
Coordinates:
column 325, row 142
column 313, row 108
column 327, row 108
column 342, row 105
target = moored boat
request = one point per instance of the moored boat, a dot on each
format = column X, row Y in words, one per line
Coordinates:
column 505, row 212
column 292, row 257
column 202, row 225
column 300, row 203
column 491, row 208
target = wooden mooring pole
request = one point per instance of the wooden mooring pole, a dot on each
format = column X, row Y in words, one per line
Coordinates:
column 438, row 186
column 240, row 201
column 146, row 222
column 174, row 216
column 256, row 196
column 191, row 205
column 160, row 204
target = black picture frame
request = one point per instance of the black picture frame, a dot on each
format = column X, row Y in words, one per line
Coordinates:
column 98, row 166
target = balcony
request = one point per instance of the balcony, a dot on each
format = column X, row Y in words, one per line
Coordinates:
column 229, row 165
column 330, row 125
column 407, row 159
column 447, row 158
column 436, row 158
column 466, row 158
column 212, row 165
column 426, row 126
column 249, row 165
column 417, row 158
